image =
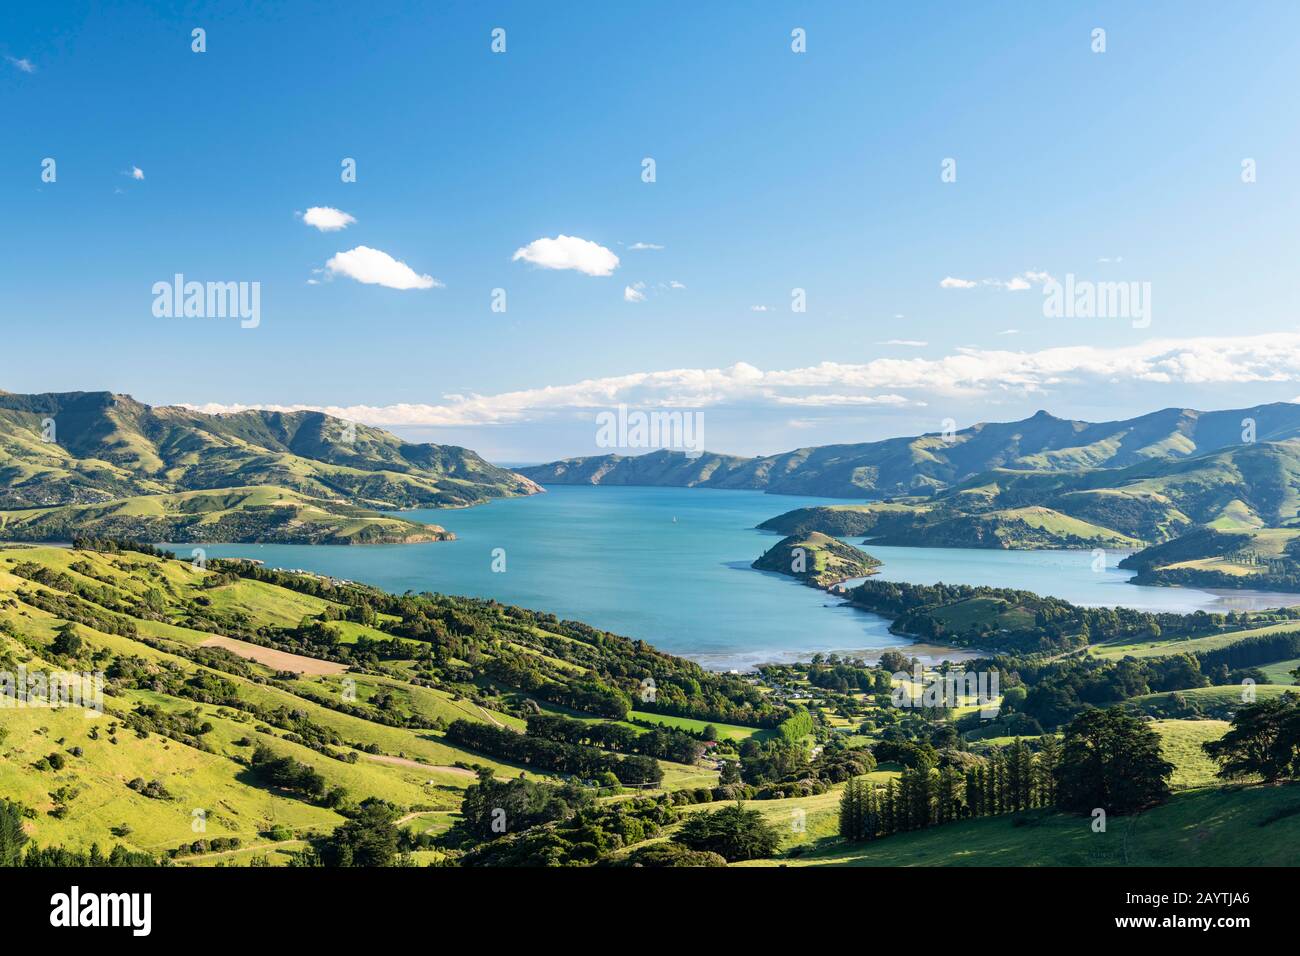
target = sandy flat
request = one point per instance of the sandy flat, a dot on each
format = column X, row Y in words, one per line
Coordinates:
column 278, row 660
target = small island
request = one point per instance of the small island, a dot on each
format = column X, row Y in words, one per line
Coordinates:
column 817, row 559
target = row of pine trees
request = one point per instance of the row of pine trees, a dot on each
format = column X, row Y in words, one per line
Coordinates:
column 1013, row 778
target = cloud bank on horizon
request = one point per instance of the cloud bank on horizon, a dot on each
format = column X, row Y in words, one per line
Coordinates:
column 961, row 376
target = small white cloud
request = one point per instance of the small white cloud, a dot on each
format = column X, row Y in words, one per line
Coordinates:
column 569, row 252
column 909, row 343
column 1018, row 283
column 1009, row 332
column 137, row 172
column 23, row 64
column 375, row 267
column 633, row 292
column 674, row 284
column 641, row 246
column 758, row 308
column 327, row 218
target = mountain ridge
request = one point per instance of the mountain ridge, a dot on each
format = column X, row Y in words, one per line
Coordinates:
column 928, row 463
column 102, row 463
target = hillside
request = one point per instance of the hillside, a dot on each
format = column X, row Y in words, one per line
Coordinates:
column 262, row 514
column 206, row 669
column 1233, row 826
column 926, row 463
column 816, row 559
column 249, row 716
column 60, row 450
column 1230, row 494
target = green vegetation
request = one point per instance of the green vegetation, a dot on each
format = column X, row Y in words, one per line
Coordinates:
column 924, row 464
column 817, row 560
column 118, row 468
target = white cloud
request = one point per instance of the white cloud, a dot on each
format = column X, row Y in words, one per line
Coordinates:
column 327, row 218
column 758, row 308
column 137, row 172
column 1018, row 283
column 966, row 374
column 674, row 284
column 910, row 343
column 643, row 246
column 24, row 64
column 569, row 252
column 375, row 267
column 633, row 293
column 823, row 400
column 1009, row 332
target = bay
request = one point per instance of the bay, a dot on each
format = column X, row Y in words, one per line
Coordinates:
column 671, row 566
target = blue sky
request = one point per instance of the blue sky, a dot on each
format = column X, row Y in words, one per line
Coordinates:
column 774, row 171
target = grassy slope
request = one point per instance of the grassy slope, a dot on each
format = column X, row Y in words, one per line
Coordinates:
column 133, row 465
column 1207, row 827
column 213, row 781
column 825, row 560
column 256, row 513
column 1161, row 648
column 415, row 770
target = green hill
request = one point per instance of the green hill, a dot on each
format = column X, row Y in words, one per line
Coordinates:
column 203, row 668
column 59, row 450
column 926, row 463
column 816, row 559
column 1240, row 500
column 1219, row 826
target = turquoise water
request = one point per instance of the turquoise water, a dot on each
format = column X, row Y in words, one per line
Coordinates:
column 671, row 566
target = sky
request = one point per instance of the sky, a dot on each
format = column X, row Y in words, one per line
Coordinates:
column 859, row 216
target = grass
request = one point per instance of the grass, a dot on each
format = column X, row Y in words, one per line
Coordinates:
column 1234, row 826
column 1280, row 672
column 1180, row 741
column 1194, row 645
column 1213, row 701
column 725, row 731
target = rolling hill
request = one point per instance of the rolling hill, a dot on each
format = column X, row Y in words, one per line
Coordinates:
column 64, row 450
column 927, row 463
column 1230, row 495
column 816, row 559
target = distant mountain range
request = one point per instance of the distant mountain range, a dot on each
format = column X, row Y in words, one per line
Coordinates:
column 925, row 464
column 300, row 476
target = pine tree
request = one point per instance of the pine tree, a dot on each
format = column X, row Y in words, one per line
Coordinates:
column 854, row 810
column 975, row 791
column 888, row 815
column 1019, row 776
column 1049, row 756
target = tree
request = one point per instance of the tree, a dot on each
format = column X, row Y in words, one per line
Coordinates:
column 66, row 640
column 857, row 822
column 1264, row 739
column 12, row 836
column 370, row 839
column 1113, row 761
column 733, row 832
column 1049, row 756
